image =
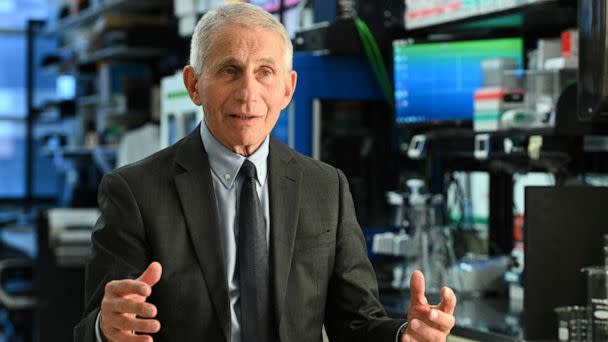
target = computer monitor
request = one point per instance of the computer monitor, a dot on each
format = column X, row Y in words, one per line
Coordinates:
column 435, row 82
column 274, row 5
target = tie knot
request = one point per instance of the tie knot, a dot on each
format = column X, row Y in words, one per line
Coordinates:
column 248, row 170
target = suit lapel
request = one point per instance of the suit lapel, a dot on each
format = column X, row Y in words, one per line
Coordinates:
column 284, row 189
column 197, row 196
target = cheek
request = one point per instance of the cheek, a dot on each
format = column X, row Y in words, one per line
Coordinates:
column 273, row 105
column 274, row 101
column 212, row 100
column 271, row 120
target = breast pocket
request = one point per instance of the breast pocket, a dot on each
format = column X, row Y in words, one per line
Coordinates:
column 308, row 274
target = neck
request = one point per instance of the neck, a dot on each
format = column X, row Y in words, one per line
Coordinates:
column 245, row 151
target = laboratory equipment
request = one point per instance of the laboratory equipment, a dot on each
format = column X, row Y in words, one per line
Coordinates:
column 423, row 239
column 475, row 275
column 572, row 323
column 339, row 107
column 178, row 114
column 562, row 323
column 397, row 202
column 64, row 247
column 597, row 301
column 593, row 64
column 606, row 250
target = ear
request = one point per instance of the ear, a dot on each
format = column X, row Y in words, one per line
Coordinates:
column 191, row 83
column 290, row 87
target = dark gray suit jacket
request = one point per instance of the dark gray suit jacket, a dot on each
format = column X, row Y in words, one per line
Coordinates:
column 163, row 209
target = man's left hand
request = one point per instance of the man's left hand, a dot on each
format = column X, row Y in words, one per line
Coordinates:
column 428, row 323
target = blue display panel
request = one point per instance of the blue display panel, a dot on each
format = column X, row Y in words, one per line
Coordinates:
column 435, row 82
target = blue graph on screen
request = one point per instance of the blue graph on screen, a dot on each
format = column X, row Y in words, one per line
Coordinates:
column 435, row 82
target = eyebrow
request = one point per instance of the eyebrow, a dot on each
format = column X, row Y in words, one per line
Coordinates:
column 266, row 61
column 236, row 62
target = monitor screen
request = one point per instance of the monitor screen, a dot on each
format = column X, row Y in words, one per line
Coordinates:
column 274, row 5
column 435, row 82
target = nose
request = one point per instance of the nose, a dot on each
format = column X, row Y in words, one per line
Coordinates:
column 247, row 89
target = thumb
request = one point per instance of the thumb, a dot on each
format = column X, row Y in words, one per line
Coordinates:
column 417, row 289
column 152, row 274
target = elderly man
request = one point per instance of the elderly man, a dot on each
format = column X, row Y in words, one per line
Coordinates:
column 256, row 242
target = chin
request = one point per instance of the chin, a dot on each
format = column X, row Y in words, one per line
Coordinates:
column 247, row 141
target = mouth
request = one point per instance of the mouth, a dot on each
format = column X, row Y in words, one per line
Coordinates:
column 246, row 117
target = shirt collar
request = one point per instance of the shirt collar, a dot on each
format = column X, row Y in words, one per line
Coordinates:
column 225, row 163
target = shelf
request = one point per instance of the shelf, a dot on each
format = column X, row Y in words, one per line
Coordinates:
column 122, row 52
column 458, row 147
column 102, row 156
column 133, row 116
column 74, row 151
column 438, row 18
column 455, row 133
column 89, row 15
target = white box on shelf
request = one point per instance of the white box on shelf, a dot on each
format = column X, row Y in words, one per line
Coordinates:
column 547, row 49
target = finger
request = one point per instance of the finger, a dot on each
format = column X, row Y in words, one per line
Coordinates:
column 448, row 300
column 417, row 289
column 152, row 274
column 122, row 305
column 441, row 320
column 127, row 287
column 407, row 337
column 128, row 322
column 128, row 336
column 423, row 332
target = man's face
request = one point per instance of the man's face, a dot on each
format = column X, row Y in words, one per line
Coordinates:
column 243, row 87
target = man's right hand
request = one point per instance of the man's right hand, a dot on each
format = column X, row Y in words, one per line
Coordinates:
column 124, row 310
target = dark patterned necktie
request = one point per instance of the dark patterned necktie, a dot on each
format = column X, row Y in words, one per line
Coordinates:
column 253, row 261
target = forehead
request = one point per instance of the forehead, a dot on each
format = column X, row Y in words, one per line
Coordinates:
column 238, row 41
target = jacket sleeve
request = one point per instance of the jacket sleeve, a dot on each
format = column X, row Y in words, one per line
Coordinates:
column 353, row 312
column 119, row 248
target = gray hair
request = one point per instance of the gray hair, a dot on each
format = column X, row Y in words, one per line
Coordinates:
column 236, row 13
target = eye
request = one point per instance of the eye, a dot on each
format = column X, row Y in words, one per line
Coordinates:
column 266, row 72
column 230, row 70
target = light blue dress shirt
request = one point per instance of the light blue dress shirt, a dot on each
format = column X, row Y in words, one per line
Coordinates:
column 225, row 165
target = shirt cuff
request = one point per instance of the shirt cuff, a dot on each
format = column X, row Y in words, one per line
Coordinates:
column 98, row 328
column 400, row 332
